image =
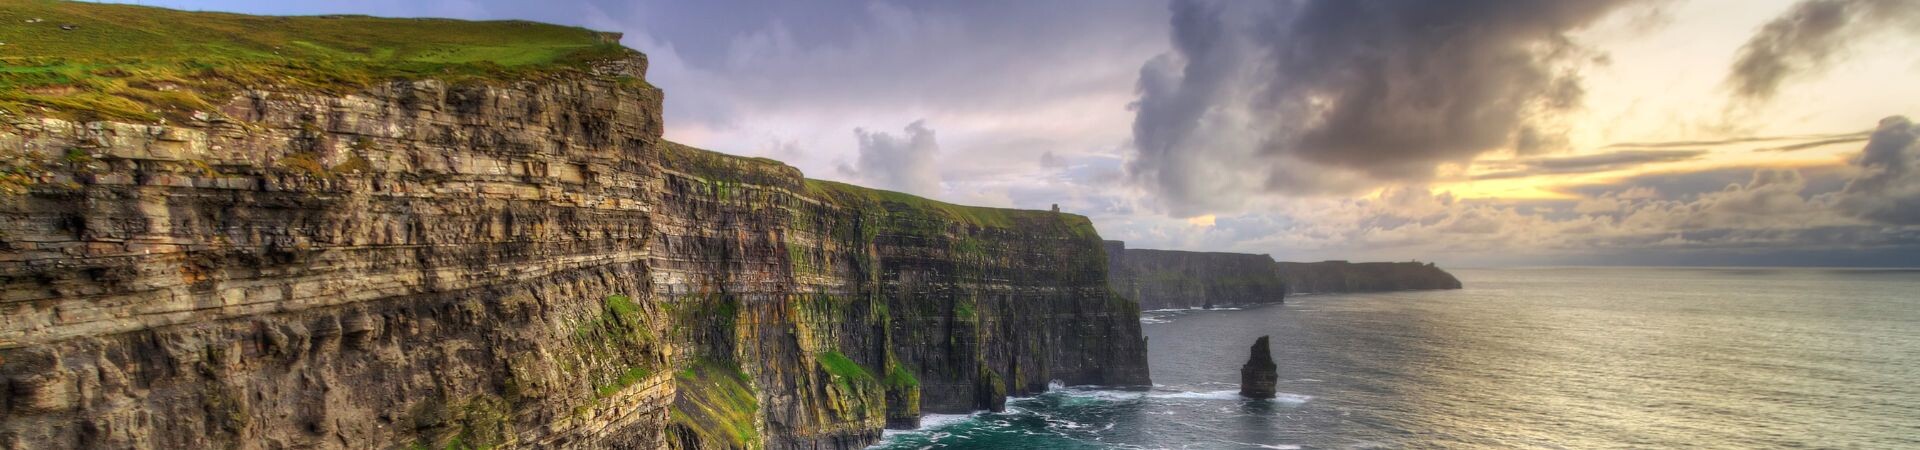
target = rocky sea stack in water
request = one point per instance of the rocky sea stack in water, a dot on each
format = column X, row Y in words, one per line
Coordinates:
column 1258, row 376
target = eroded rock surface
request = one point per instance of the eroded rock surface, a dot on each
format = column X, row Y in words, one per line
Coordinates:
column 519, row 265
column 1259, row 374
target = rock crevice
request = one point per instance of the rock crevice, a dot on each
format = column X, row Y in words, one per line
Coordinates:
column 513, row 265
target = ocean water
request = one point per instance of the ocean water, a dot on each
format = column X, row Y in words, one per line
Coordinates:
column 1522, row 358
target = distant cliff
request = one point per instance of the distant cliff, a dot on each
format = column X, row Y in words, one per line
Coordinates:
column 350, row 232
column 1163, row 279
column 1342, row 276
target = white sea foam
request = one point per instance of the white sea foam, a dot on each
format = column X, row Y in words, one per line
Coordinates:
column 1100, row 394
column 1211, row 395
column 932, row 421
column 1291, row 399
column 1120, row 396
column 929, row 423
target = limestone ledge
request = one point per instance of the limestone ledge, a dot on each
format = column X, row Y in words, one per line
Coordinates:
column 525, row 265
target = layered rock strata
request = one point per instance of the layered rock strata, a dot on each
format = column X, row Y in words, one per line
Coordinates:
column 514, row 265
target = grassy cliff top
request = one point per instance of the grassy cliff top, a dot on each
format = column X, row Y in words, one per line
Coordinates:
column 714, row 165
column 141, row 63
column 973, row 215
column 718, row 166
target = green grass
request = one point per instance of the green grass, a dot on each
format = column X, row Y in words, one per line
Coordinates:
column 722, row 171
column 972, row 215
column 722, row 167
column 842, row 368
column 619, row 317
column 144, row 63
column 963, row 309
column 899, row 377
column 628, row 378
column 716, row 403
column 616, row 341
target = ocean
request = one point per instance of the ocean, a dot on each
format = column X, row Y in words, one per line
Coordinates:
column 1521, row 358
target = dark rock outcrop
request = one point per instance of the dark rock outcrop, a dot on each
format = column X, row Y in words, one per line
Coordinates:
column 1259, row 374
column 1341, row 276
column 1168, row 279
column 514, row 265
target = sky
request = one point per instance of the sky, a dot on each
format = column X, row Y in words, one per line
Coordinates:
column 1466, row 132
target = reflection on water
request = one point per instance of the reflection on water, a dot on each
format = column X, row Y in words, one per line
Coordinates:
column 1570, row 358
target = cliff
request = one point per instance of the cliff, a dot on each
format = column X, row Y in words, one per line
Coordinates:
column 442, row 234
column 1342, row 276
column 1168, row 279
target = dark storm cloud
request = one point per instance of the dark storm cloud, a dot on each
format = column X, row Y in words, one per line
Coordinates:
column 1807, row 39
column 1593, row 163
column 1686, row 185
column 1373, row 89
column 1888, row 189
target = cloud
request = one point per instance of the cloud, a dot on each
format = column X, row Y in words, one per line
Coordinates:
column 1763, row 216
column 1809, row 37
column 902, row 163
column 1250, row 100
column 1736, row 140
column 1050, row 161
column 1847, row 139
column 1617, row 160
column 1339, row 95
column 1888, row 189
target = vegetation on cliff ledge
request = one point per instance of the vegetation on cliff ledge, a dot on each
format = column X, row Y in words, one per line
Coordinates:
column 843, row 369
column 716, row 404
column 89, row 60
column 616, row 345
column 978, row 216
column 723, row 172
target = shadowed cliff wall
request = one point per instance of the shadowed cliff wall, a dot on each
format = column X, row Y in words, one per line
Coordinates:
column 1163, row 279
column 865, row 307
column 507, row 264
column 1341, row 276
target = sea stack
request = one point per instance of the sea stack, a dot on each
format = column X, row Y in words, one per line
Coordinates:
column 1258, row 376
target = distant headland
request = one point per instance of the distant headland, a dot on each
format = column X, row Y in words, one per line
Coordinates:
column 1163, row 279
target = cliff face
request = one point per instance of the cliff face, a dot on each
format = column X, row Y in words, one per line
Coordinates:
column 514, row 264
column 1168, row 279
column 858, row 308
column 418, row 263
column 1342, row 276
column 1163, row 279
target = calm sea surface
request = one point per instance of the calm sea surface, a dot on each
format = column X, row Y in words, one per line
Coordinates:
column 1521, row 358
